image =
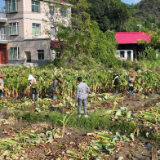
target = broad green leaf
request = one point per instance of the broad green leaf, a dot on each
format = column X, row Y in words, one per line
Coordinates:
column 120, row 158
column 118, row 113
column 129, row 114
column 123, row 108
column 132, row 136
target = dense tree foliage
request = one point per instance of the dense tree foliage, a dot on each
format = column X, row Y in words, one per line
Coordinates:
column 84, row 40
column 147, row 14
column 109, row 14
column 94, row 23
column 118, row 16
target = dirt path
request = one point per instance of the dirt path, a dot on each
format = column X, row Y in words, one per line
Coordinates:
column 133, row 103
column 136, row 102
column 141, row 149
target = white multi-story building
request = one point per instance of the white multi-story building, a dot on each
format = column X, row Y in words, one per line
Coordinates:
column 24, row 36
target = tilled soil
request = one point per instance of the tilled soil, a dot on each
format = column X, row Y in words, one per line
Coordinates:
column 140, row 149
column 137, row 150
column 72, row 140
column 133, row 103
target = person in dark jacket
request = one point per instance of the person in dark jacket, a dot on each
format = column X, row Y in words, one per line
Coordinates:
column 115, row 81
column 54, row 85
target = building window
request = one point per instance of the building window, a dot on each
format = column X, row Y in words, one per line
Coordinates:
column 129, row 54
column 40, row 54
column 36, row 29
column 52, row 31
column 122, row 54
column 12, row 5
column 14, row 53
column 2, row 33
column 36, row 6
column 64, row 12
column 51, row 10
column 13, row 28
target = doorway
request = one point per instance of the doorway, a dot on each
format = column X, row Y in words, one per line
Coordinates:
column 2, row 56
column 129, row 55
column 28, row 56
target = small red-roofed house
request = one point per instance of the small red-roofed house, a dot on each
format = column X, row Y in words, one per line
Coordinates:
column 128, row 47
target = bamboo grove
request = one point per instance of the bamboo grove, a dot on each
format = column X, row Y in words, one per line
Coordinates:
column 16, row 83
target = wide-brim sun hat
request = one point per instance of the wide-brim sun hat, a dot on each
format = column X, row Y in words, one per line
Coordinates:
column 132, row 75
column 2, row 75
column 59, row 79
column 30, row 77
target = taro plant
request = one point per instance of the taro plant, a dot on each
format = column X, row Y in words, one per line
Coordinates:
column 98, row 81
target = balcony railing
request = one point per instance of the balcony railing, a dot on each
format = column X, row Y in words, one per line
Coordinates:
column 2, row 15
column 3, row 37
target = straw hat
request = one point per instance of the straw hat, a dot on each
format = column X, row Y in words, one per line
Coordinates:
column 132, row 75
column 2, row 75
column 59, row 79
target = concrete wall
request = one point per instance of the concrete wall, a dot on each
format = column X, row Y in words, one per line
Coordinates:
column 26, row 17
column 43, row 15
column 31, row 46
column 15, row 15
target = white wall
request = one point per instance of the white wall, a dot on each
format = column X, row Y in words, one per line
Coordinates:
column 117, row 54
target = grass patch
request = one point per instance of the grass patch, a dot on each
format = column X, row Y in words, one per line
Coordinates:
column 97, row 120
column 123, row 127
column 94, row 121
column 32, row 117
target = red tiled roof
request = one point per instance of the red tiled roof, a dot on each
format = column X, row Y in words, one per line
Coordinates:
column 64, row 2
column 131, row 37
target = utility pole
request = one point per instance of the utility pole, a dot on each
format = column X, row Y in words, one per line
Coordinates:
column 139, row 25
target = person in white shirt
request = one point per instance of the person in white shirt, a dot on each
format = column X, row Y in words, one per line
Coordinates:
column 81, row 96
column 33, row 84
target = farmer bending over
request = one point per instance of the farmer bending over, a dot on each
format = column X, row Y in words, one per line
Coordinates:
column 54, row 85
column 81, row 96
column 1, row 85
column 33, row 84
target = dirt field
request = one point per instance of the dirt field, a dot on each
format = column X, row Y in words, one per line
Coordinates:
column 74, row 139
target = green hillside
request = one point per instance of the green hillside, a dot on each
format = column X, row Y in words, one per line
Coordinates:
column 148, row 9
column 149, row 14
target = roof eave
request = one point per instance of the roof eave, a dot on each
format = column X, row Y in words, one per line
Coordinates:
column 67, row 4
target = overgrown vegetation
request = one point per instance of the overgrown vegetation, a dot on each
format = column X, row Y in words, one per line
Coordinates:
column 91, row 39
column 99, row 81
column 48, row 122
